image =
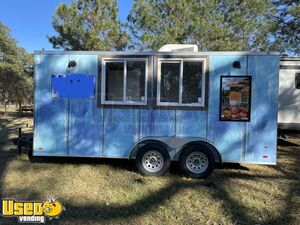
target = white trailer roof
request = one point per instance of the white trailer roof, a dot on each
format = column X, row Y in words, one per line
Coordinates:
column 154, row 53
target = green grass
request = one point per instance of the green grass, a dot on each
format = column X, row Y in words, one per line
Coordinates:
column 111, row 192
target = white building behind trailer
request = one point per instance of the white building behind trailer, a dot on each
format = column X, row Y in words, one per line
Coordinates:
column 289, row 93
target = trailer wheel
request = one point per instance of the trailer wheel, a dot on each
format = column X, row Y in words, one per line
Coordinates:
column 152, row 160
column 197, row 162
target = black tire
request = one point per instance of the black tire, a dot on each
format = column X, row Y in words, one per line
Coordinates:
column 162, row 160
column 205, row 166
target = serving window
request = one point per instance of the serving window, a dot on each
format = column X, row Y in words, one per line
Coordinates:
column 181, row 82
column 124, row 81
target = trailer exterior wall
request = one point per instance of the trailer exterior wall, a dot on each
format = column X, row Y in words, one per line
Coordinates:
column 261, row 132
column 78, row 127
column 228, row 137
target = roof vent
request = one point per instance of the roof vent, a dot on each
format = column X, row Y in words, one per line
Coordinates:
column 179, row 48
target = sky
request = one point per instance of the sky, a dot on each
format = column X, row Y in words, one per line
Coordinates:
column 30, row 20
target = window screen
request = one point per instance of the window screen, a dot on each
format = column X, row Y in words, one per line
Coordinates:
column 135, row 81
column 181, row 82
column 170, row 73
column 114, row 81
column 297, row 80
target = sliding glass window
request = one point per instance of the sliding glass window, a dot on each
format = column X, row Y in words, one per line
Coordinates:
column 124, row 81
column 181, row 82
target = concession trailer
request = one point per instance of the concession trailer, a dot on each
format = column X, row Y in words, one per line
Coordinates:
column 176, row 104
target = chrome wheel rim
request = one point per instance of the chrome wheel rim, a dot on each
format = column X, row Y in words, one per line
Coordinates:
column 153, row 161
column 197, row 162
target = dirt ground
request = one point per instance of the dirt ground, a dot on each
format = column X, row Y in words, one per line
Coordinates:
column 102, row 191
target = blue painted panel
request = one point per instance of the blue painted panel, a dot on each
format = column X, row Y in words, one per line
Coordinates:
column 157, row 123
column 85, row 119
column 262, row 131
column 85, row 130
column 228, row 137
column 73, row 86
column 191, row 123
column 50, row 132
column 121, row 131
column 146, row 123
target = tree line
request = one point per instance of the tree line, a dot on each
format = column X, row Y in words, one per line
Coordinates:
column 214, row 25
column 16, row 71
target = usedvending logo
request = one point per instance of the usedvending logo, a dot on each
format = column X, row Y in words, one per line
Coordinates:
column 32, row 211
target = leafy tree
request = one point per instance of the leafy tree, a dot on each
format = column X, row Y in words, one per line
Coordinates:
column 155, row 23
column 288, row 25
column 88, row 25
column 212, row 25
column 16, row 70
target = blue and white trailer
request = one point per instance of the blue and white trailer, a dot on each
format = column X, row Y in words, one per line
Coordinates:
column 178, row 104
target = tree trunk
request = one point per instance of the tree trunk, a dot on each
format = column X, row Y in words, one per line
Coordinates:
column 4, row 101
column 5, row 107
column 20, row 108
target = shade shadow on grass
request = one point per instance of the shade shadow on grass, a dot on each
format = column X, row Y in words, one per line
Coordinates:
column 115, row 163
column 285, row 142
column 90, row 213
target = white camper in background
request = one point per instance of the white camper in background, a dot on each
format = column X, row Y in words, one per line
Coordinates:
column 289, row 94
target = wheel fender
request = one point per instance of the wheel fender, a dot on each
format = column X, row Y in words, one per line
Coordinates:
column 142, row 143
column 204, row 144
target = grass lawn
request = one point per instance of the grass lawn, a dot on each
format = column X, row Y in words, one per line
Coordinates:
column 111, row 192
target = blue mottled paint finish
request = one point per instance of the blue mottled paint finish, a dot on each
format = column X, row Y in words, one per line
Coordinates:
column 85, row 119
column 51, row 114
column 157, row 123
column 77, row 127
column 121, row 131
column 262, row 131
column 191, row 123
column 227, row 136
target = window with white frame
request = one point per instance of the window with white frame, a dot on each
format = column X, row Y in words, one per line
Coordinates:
column 124, row 81
column 181, row 82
